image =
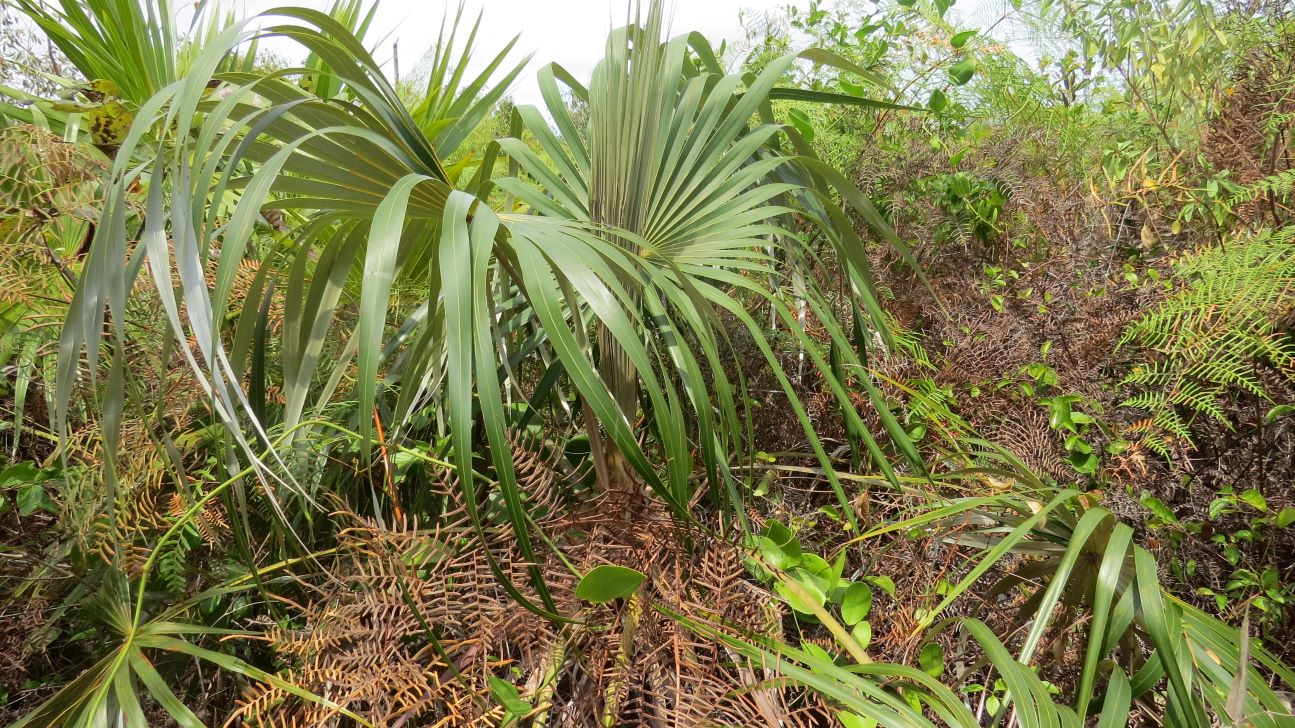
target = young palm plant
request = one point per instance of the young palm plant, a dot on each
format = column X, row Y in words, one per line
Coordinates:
column 650, row 246
column 650, row 229
column 683, row 170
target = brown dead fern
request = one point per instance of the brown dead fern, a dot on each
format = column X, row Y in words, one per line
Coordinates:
column 413, row 628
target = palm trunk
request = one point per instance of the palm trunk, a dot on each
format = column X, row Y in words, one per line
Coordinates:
column 621, row 378
column 624, row 122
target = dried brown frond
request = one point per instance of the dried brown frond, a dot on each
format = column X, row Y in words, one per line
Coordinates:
column 413, row 623
column 36, row 166
column 1025, row 431
column 540, row 475
column 210, row 519
column 364, row 642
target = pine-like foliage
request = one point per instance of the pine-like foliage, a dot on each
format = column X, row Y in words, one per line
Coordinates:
column 1215, row 335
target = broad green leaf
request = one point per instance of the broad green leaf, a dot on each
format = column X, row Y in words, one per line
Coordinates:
column 19, row 474
column 882, row 582
column 32, row 497
column 818, row 566
column 1085, row 463
column 807, row 588
column 818, row 652
column 1279, row 411
column 1161, row 510
column 606, row 582
column 856, row 603
column 938, row 101
column 962, row 71
column 862, row 634
column 780, row 547
column 931, row 659
column 508, row 696
column 1255, row 499
column 959, row 40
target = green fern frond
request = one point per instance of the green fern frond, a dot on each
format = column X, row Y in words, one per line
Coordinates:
column 1278, row 185
column 172, row 563
column 1150, row 401
column 1173, row 423
column 909, row 342
column 1150, row 375
column 1275, row 122
column 1216, row 333
column 1202, row 400
column 1158, row 446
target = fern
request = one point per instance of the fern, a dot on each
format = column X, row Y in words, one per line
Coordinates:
column 173, row 562
column 908, row 342
column 1278, row 186
column 1275, row 123
column 933, row 403
column 1214, row 336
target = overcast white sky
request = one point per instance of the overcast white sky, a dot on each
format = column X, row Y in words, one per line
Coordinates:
column 569, row 32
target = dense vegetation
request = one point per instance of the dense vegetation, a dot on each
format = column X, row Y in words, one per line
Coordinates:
column 891, row 367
